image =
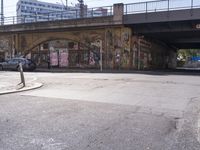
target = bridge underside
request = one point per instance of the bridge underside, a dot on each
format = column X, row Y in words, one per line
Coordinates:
column 178, row 28
column 177, row 34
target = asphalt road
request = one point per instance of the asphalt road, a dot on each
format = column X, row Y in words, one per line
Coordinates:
column 75, row 111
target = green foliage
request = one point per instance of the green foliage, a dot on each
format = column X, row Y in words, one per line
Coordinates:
column 184, row 54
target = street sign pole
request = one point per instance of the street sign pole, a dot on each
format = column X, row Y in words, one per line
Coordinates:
column 22, row 75
column 2, row 13
column 101, row 60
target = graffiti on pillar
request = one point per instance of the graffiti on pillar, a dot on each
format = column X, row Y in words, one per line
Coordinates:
column 109, row 47
column 97, row 48
column 117, row 48
column 5, row 48
column 94, row 54
column 88, row 38
column 126, row 39
column 109, row 37
column 135, row 53
column 4, row 44
column 23, row 43
column 117, row 57
column 97, row 43
column 126, row 47
column 117, row 39
column 125, row 59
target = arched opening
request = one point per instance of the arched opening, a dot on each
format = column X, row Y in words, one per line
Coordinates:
column 65, row 53
column 188, row 59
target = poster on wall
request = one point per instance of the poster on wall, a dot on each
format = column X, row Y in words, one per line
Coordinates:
column 63, row 58
column 92, row 59
column 54, row 58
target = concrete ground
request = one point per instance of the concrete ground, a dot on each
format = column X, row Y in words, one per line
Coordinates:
column 102, row 111
column 12, row 83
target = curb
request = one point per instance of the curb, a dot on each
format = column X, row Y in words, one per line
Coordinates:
column 35, row 86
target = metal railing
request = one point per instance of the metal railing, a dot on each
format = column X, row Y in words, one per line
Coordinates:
column 59, row 15
column 160, row 5
column 132, row 8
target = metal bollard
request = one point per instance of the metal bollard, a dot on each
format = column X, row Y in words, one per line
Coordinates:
column 21, row 75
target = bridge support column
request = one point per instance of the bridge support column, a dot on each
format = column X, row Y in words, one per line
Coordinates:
column 118, row 13
column 172, row 63
column 14, row 44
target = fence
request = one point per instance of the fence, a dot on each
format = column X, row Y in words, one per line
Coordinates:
column 160, row 5
column 59, row 15
column 132, row 8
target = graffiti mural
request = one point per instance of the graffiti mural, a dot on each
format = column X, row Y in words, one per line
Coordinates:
column 126, row 47
column 63, row 58
column 92, row 59
column 126, row 39
column 59, row 53
column 23, row 43
column 94, row 45
column 5, row 48
column 135, row 48
column 96, row 49
column 117, row 58
column 110, row 48
column 54, row 58
column 4, row 45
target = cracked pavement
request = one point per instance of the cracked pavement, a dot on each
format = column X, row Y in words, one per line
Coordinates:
column 102, row 111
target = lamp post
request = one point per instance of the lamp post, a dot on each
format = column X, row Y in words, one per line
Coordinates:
column 2, row 13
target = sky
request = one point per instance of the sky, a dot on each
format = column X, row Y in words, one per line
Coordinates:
column 10, row 5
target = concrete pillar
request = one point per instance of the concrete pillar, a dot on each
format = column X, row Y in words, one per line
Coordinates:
column 118, row 13
column 16, row 43
column 172, row 59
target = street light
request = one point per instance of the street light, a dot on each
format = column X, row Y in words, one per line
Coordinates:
column 2, row 13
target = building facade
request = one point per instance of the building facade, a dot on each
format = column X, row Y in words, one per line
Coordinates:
column 34, row 11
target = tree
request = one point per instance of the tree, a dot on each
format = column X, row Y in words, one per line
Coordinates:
column 184, row 54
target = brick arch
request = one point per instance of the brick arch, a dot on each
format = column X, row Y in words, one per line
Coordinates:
column 85, row 37
column 44, row 40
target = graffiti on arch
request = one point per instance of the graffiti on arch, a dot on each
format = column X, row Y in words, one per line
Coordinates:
column 4, row 45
